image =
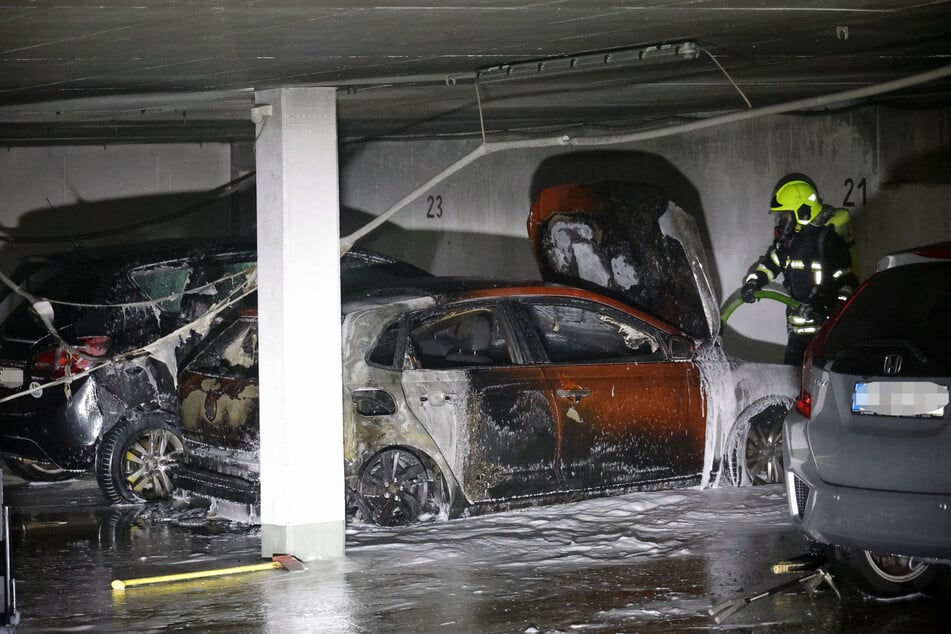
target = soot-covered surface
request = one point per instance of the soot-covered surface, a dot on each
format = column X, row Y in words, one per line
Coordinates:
column 645, row 562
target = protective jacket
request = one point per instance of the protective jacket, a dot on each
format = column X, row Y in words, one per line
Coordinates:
column 816, row 264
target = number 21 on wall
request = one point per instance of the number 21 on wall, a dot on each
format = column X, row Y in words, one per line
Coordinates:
column 851, row 187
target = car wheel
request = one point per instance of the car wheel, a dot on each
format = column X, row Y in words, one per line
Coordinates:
column 755, row 445
column 133, row 461
column 33, row 471
column 883, row 575
column 396, row 489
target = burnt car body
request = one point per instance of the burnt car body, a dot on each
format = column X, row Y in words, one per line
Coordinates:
column 633, row 242
column 482, row 395
column 122, row 418
column 104, row 305
column 461, row 394
column 867, row 445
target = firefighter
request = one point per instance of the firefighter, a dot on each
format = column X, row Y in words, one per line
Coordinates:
column 813, row 249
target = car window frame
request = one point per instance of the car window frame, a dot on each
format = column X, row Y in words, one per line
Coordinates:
column 399, row 348
column 169, row 302
column 190, row 365
column 859, row 337
column 538, row 346
column 498, row 306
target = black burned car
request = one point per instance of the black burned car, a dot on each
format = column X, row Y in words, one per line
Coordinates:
column 108, row 311
column 127, row 315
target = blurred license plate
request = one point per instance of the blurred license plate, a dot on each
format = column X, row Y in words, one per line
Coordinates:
column 921, row 399
column 11, row 377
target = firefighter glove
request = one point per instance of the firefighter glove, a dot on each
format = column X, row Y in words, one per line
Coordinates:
column 810, row 314
column 747, row 291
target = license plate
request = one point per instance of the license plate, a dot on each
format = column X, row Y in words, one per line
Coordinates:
column 921, row 399
column 11, row 377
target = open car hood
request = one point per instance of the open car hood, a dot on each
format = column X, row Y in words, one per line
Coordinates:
column 628, row 240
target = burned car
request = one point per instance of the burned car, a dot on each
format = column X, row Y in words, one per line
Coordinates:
column 462, row 395
column 867, row 444
column 632, row 242
column 128, row 315
column 105, row 311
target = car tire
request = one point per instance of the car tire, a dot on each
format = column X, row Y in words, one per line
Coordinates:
column 754, row 453
column 134, row 458
column 33, row 471
column 396, row 488
column 884, row 575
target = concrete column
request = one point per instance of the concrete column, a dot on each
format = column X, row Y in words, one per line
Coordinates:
column 302, row 484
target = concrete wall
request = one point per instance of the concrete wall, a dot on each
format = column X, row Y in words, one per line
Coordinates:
column 72, row 191
column 892, row 167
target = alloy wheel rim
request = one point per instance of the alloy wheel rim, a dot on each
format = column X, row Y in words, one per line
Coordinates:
column 147, row 460
column 895, row 568
column 394, row 487
column 764, row 451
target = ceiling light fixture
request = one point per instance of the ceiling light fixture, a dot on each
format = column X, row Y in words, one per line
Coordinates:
column 597, row 60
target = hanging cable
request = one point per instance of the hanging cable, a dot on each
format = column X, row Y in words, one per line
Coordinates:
column 224, row 190
column 479, row 104
column 201, row 324
column 347, row 242
column 723, row 70
column 199, row 290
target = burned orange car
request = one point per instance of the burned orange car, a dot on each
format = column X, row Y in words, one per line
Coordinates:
column 464, row 395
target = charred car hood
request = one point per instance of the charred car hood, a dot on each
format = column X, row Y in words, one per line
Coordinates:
column 628, row 240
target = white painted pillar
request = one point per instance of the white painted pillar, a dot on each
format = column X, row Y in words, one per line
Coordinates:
column 302, row 484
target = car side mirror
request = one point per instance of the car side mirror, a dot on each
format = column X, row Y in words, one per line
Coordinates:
column 680, row 348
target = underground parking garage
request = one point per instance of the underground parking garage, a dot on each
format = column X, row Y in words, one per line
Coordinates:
column 430, row 145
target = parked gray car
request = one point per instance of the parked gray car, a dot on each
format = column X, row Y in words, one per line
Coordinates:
column 867, row 444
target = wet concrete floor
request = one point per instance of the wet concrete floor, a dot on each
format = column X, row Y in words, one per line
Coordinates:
column 644, row 562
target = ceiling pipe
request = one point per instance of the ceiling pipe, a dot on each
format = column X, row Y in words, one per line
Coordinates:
column 347, row 242
column 587, row 62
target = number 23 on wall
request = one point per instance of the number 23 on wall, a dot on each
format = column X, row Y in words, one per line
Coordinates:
column 852, row 187
column 434, row 209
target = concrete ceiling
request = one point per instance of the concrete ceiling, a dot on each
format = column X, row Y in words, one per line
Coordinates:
column 107, row 71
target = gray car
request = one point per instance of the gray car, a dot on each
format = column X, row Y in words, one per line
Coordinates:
column 866, row 446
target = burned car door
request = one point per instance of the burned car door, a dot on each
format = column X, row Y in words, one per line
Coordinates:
column 466, row 384
column 219, row 389
column 627, row 412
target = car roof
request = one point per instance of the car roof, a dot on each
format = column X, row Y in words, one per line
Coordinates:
column 359, row 268
column 939, row 251
column 148, row 252
column 446, row 290
column 362, row 269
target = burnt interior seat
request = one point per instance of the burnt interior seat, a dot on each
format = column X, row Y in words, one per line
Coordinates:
column 476, row 334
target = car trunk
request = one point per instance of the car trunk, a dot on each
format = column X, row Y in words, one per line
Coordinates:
column 881, row 417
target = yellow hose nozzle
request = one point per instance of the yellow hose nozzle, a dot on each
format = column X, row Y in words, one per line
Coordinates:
column 284, row 562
